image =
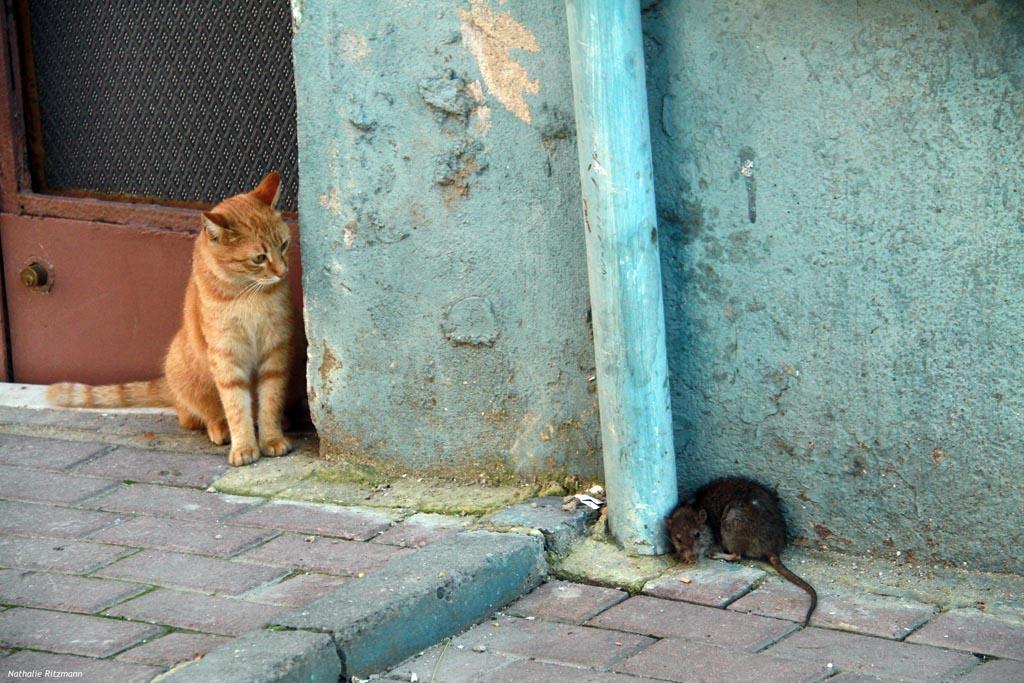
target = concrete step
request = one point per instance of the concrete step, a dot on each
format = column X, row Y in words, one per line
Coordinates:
column 365, row 626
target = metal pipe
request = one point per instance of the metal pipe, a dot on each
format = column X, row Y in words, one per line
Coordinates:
column 614, row 145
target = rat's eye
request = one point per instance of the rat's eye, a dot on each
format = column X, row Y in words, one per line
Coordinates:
column 696, row 534
column 259, row 258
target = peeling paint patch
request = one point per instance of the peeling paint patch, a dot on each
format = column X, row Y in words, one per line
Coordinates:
column 349, row 237
column 329, row 363
column 482, row 122
column 457, row 167
column 446, row 93
column 353, row 46
column 331, row 202
column 470, row 321
column 476, row 91
column 489, row 36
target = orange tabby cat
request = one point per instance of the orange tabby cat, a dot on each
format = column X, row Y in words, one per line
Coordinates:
column 234, row 344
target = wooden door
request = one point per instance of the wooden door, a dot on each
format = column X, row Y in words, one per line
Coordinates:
column 119, row 122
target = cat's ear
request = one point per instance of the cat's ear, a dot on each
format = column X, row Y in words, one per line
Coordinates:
column 269, row 189
column 216, row 224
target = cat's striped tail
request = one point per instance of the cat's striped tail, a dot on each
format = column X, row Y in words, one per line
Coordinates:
column 154, row 392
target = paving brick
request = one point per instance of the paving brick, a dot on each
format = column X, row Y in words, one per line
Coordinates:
column 45, row 454
column 712, row 583
column 459, row 664
column 59, row 555
column 157, row 467
column 573, row 603
column 202, row 538
column 873, row 615
column 421, row 529
column 554, row 642
column 684, row 660
column 35, row 519
column 207, row 613
column 995, row 671
column 313, row 518
column 296, row 591
column 320, row 554
column 39, row 486
column 150, row 499
column 974, row 631
column 875, row 656
column 81, row 668
column 93, row 636
column 62, row 592
column 561, row 529
column 205, row 574
column 668, row 618
column 172, row 649
column 527, row 671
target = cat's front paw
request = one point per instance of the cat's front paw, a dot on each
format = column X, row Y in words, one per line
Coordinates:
column 218, row 432
column 274, row 446
column 243, row 455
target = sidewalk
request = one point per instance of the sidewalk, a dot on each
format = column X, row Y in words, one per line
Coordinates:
column 574, row 633
column 119, row 564
column 118, row 560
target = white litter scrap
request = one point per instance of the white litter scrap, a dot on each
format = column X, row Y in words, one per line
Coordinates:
column 594, row 498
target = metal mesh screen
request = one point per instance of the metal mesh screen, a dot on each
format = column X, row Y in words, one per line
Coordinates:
column 183, row 100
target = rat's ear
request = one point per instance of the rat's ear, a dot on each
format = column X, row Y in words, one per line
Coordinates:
column 702, row 516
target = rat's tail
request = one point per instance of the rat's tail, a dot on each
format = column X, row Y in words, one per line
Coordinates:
column 790, row 576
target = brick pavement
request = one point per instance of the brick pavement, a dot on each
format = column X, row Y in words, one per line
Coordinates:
column 727, row 624
column 116, row 562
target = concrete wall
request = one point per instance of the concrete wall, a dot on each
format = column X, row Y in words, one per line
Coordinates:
column 840, row 198
column 445, row 272
column 839, row 190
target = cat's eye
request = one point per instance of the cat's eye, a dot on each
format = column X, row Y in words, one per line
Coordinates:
column 696, row 534
column 259, row 258
column 284, row 245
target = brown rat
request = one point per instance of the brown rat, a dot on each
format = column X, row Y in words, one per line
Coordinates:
column 742, row 517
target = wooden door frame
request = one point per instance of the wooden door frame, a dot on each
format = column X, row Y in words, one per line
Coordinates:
column 16, row 192
column 16, row 195
column 16, row 188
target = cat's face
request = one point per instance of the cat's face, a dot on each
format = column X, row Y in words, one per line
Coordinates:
column 247, row 237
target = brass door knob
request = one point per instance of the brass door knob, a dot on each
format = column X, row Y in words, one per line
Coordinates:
column 35, row 276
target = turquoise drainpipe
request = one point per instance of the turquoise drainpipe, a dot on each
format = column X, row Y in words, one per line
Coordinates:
column 614, row 144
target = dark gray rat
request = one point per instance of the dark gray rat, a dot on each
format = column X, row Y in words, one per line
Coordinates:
column 740, row 516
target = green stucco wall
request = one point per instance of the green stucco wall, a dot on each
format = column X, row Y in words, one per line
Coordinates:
column 845, row 314
column 445, row 274
column 839, row 191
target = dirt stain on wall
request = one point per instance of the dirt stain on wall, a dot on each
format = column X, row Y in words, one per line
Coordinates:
column 490, row 35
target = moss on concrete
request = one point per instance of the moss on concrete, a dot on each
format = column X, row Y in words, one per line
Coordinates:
column 268, row 476
column 302, row 477
column 605, row 564
column 422, row 494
